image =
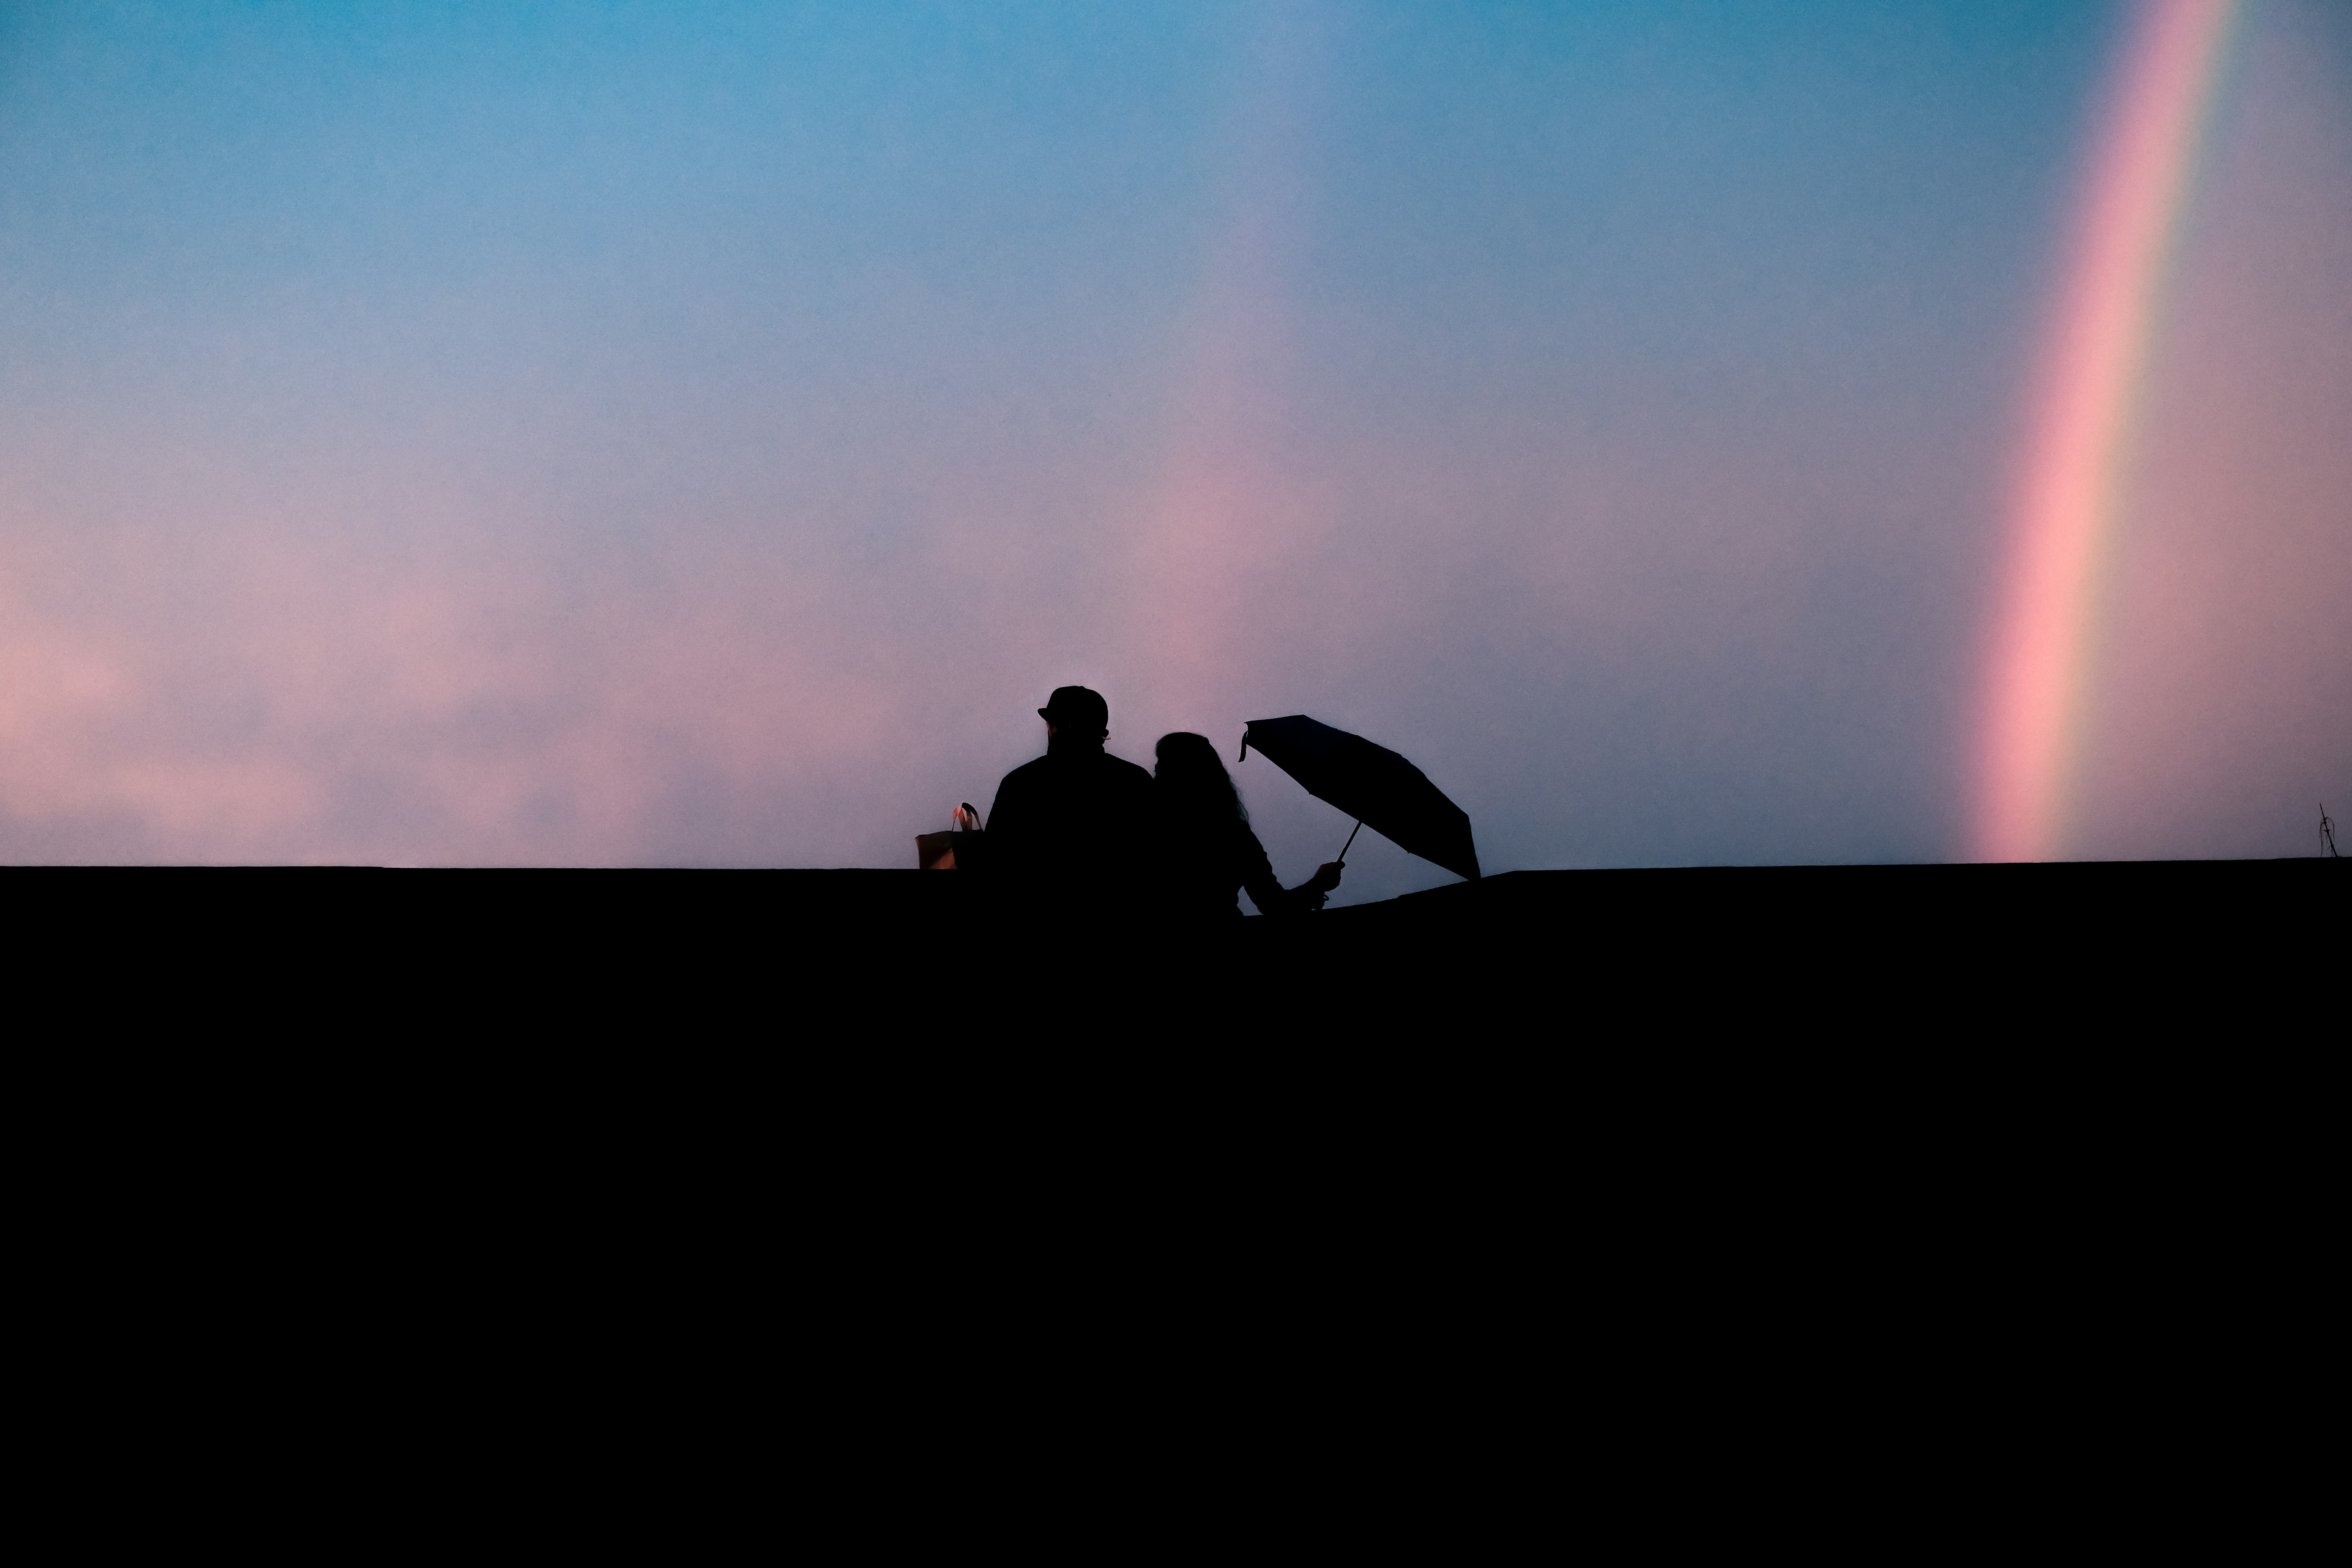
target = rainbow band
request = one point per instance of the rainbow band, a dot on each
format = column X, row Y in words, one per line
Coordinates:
column 2062, row 522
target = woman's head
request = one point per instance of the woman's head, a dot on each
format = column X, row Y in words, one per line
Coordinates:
column 1193, row 777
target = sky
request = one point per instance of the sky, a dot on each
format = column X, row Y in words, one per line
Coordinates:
column 703, row 435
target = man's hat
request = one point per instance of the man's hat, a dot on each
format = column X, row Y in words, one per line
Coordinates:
column 1076, row 708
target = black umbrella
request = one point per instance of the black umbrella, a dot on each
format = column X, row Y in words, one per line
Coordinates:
column 1370, row 783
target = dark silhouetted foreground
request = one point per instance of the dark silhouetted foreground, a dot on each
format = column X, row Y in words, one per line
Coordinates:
column 1714, row 972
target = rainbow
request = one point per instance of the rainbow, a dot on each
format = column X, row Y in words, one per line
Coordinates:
column 2063, row 515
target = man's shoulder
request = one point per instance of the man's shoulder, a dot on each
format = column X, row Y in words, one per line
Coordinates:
column 1028, row 770
column 1052, row 774
column 1019, row 792
column 1048, row 776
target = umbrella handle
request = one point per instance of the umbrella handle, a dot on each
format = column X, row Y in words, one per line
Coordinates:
column 1351, row 838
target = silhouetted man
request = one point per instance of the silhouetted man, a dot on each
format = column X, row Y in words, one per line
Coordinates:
column 1054, row 832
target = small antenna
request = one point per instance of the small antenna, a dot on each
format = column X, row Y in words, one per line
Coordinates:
column 2328, row 833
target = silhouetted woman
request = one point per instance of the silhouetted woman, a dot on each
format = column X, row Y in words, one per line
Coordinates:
column 1204, row 848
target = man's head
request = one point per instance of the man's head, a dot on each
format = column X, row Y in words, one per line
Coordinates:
column 1074, row 710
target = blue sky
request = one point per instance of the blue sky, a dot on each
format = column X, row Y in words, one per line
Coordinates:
column 703, row 435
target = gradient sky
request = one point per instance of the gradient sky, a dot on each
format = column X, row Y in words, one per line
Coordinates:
column 703, row 435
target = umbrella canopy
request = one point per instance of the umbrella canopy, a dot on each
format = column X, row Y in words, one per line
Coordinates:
column 1370, row 783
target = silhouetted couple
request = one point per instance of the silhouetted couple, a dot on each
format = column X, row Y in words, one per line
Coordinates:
column 1081, row 831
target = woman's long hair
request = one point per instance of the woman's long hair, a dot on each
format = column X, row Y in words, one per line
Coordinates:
column 1193, row 783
